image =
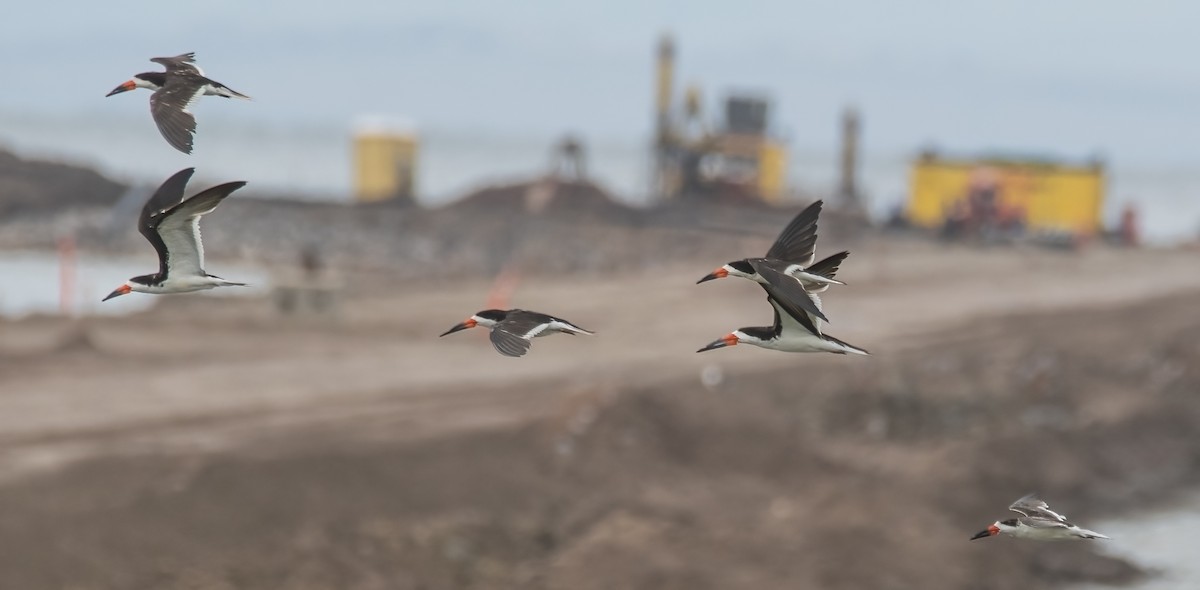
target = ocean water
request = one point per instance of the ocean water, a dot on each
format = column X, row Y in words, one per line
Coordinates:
column 314, row 162
column 30, row 283
column 1163, row 540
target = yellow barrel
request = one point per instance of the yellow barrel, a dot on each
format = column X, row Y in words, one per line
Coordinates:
column 772, row 171
column 385, row 160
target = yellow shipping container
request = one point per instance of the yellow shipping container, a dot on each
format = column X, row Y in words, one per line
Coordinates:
column 384, row 163
column 1043, row 196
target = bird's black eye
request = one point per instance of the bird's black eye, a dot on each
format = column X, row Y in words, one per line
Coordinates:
column 1009, row 522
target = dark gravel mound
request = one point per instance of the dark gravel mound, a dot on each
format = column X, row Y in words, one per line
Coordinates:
column 34, row 185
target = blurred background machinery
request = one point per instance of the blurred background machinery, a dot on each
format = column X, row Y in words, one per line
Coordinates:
column 310, row 288
column 742, row 157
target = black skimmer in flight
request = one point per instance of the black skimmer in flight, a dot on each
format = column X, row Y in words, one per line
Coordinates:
column 174, row 90
column 1037, row 522
column 172, row 225
column 792, row 255
column 794, row 330
column 513, row 330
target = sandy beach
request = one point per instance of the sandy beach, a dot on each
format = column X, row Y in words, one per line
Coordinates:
column 381, row 456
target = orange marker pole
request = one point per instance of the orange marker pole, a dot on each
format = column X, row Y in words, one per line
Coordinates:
column 503, row 286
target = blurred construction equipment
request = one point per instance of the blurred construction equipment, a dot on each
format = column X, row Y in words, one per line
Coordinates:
column 848, row 194
column 568, row 161
column 995, row 198
column 385, row 161
column 739, row 158
column 310, row 288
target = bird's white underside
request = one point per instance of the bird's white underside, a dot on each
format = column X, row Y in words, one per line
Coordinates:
column 796, row 338
column 1051, row 531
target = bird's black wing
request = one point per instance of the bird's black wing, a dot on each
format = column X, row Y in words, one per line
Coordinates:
column 523, row 320
column 168, row 195
column 513, row 335
column 533, row 324
column 781, row 302
column 797, row 243
column 1034, row 507
column 828, row 266
column 509, row 343
column 179, row 227
column 183, row 61
column 789, row 288
column 168, row 106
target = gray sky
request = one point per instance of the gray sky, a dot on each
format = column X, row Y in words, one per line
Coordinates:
column 1070, row 78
